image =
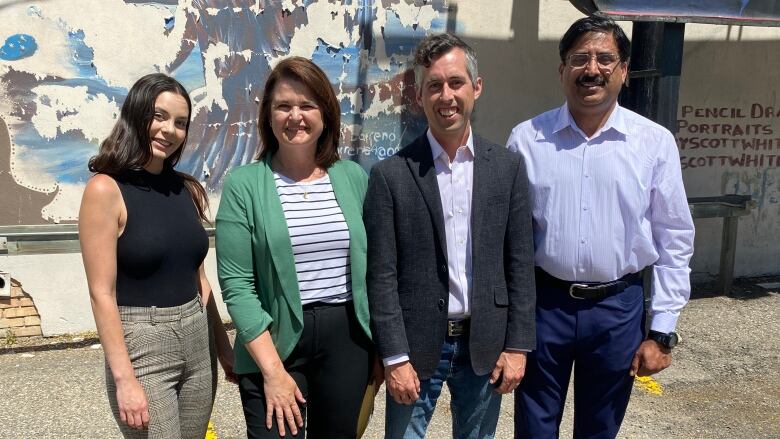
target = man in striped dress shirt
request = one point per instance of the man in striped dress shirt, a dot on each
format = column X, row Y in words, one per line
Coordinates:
column 607, row 201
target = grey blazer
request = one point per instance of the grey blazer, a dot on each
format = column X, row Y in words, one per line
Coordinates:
column 408, row 287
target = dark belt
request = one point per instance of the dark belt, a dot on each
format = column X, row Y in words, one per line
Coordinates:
column 456, row 328
column 590, row 290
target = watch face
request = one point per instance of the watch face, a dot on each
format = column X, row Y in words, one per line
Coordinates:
column 672, row 340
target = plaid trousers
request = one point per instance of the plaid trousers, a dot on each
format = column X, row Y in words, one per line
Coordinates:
column 173, row 355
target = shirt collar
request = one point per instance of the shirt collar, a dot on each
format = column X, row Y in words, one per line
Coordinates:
column 437, row 150
column 615, row 121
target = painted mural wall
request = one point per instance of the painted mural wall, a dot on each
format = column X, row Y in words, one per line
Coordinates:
column 66, row 65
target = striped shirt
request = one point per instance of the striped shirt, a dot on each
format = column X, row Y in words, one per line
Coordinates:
column 319, row 237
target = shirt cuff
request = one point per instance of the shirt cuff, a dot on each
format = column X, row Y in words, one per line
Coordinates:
column 395, row 359
column 517, row 350
column 664, row 322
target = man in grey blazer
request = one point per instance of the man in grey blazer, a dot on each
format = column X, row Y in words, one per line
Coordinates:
column 450, row 258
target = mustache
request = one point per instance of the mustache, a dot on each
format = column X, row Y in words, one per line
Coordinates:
column 599, row 80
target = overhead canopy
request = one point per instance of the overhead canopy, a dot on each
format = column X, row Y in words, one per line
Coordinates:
column 736, row 12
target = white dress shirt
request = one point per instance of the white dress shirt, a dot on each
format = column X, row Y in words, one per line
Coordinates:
column 454, row 179
column 455, row 182
column 609, row 205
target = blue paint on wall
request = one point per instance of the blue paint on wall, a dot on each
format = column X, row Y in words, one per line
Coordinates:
column 18, row 46
column 82, row 56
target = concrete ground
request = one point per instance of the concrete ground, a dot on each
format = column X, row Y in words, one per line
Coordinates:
column 724, row 383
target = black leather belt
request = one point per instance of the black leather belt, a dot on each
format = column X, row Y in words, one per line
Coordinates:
column 456, row 328
column 590, row 290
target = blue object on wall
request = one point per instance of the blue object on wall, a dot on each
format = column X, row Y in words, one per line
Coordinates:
column 18, row 46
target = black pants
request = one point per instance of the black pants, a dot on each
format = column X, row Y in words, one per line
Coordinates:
column 330, row 364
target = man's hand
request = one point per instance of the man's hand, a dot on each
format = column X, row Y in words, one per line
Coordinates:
column 650, row 358
column 402, row 383
column 509, row 371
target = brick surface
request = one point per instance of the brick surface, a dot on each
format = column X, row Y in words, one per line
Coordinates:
column 20, row 312
column 30, row 331
column 32, row 321
column 11, row 323
column 16, row 291
column 22, row 301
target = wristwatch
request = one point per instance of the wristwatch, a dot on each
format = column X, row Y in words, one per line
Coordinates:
column 668, row 341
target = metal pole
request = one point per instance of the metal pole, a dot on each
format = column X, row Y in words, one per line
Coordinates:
column 655, row 68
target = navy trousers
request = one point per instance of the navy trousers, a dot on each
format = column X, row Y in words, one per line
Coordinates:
column 596, row 337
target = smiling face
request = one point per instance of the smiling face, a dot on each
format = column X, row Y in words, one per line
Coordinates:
column 447, row 96
column 168, row 128
column 296, row 119
column 592, row 90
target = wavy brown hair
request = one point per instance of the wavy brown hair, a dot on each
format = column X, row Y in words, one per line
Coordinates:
column 307, row 73
column 128, row 147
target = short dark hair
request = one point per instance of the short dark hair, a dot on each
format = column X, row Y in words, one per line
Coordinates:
column 433, row 47
column 128, row 146
column 595, row 24
column 316, row 81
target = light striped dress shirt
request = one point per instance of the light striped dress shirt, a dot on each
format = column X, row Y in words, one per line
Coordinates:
column 609, row 205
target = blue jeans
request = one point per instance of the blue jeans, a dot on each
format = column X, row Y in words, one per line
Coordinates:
column 474, row 403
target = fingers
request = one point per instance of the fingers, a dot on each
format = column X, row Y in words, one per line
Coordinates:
column 634, row 365
column 299, row 396
column 496, row 374
column 290, row 418
column 145, row 418
column 269, row 414
column 280, row 420
column 298, row 417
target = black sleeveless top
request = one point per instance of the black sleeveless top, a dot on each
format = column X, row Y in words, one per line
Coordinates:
column 163, row 244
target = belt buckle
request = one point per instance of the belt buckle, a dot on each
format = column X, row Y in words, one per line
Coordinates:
column 454, row 328
column 571, row 290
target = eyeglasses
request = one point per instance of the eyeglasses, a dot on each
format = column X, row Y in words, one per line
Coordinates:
column 580, row 60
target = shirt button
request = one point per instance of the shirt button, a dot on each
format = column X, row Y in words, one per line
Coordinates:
column 450, row 214
column 443, row 268
column 460, row 210
column 582, row 240
column 587, row 176
column 585, row 208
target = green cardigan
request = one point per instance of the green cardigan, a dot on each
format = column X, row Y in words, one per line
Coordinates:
column 255, row 258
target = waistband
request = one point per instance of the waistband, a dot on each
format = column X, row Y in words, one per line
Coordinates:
column 589, row 290
column 153, row 314
column 325, row 305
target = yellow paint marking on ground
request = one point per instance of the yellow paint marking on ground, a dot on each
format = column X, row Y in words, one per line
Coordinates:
column 211, row 433
column 649, row 385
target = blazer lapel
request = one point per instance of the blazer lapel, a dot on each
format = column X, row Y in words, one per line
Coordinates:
column 278, row 238
column 480, row 190
column 420, row 162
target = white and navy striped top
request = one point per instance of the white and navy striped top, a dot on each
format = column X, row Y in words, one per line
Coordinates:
column 320, row 239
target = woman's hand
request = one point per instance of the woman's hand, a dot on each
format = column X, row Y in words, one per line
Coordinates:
column 282, row 397
column 377, row 374
column 133, row 407
column 225, row 357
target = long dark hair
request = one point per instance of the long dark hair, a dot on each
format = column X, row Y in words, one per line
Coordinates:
column 128, row 147
column 307, row 73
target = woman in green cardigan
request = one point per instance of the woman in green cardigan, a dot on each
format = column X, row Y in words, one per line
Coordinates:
column 291, row 256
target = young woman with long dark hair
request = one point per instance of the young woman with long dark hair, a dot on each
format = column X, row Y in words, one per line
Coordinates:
column 143, row 244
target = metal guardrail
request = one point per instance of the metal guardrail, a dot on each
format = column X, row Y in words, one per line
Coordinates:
column 63, row 238
column 49, row 239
